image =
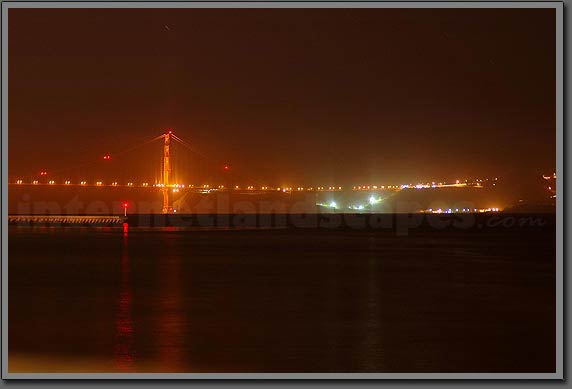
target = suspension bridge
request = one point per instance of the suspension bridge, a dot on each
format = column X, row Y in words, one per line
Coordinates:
column 164, row 181
column 169, row 180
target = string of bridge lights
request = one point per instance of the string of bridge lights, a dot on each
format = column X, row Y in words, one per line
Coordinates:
column 176, row 187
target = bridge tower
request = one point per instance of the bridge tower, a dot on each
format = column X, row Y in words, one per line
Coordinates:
column 166, row 172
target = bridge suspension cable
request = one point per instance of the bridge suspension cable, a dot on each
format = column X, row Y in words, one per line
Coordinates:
column 217, row 162
column 96, row 161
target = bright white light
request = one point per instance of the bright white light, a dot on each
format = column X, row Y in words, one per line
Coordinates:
column 333, row 204
column 373, row 200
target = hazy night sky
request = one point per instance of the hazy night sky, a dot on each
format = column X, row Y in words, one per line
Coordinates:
column 306, row 97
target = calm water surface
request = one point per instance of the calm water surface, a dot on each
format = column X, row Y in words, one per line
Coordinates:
column 167, row 300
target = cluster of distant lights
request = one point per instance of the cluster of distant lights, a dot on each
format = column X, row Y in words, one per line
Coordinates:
column 375, row 200
column 361, row 207
column 549, row 188
column 461, row 210
column 358, row 207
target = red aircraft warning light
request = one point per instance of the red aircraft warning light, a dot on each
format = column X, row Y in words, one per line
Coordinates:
column 43, row 173
column 226, row 167
column 125, row 206
column 107, row 157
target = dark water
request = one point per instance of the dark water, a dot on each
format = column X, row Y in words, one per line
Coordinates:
column 290, row 300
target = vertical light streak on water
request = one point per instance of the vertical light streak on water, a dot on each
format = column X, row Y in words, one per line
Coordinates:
column 171, row 321
column 124, row 329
